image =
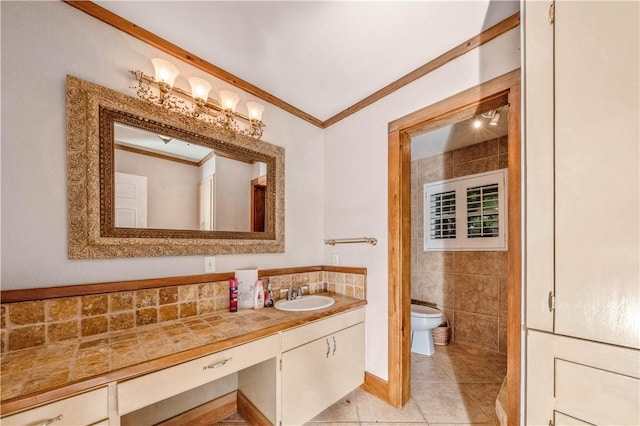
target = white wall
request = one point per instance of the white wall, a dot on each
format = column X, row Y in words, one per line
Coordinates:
column 172, row 189
column 355, row 177
column 233, row 195
column 42, row 42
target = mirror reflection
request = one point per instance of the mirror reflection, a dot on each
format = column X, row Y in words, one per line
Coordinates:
column 163, row 182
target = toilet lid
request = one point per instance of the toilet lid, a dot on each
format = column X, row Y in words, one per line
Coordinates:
column 425, row 311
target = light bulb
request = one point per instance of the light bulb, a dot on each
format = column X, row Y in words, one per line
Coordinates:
column 199, row 88
column 255, row 110
column 165, row 71
column 477, row 123
column 228, row 100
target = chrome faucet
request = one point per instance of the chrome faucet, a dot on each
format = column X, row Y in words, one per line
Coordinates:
column 295, row 292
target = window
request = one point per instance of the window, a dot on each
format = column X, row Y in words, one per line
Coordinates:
column 466, row 213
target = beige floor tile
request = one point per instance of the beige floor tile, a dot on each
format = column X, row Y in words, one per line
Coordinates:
column 342, row 411
column 372, row 409
column 485, row 395
column 452, row 348
column 469, row 370
column 446, row 403
column 436, row 396
column 426, row 369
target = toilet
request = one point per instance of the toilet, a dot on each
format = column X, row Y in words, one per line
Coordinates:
column 423, row 320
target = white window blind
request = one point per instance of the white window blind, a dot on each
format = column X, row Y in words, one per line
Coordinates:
column 482, row 211
column 442, row 206
column 466, row 213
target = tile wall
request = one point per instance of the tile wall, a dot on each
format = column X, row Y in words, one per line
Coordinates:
column 470, row 287
column 35, row 323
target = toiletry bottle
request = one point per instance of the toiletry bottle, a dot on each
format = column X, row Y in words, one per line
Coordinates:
column 258, row 295
column 233, row 295
column 268, row 296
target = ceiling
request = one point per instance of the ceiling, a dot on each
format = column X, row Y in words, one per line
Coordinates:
column 319, row 56
column 461, row 134
column 134, row 137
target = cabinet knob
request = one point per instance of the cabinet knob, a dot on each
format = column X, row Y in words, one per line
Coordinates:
column 55, row 419
column 217, row 365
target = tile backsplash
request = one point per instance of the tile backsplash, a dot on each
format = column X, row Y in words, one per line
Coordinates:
column 35, row 323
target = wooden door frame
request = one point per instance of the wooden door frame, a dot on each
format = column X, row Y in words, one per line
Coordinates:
column 441, row 113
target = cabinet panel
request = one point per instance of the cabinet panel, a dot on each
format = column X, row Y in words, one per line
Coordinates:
column 594, row 382
column 315, row 330
column 597, row 109
column 150, row 388
column 538, row 100
column 591, row 389
column 86, row 409
column 319, row 373
column 560, row 419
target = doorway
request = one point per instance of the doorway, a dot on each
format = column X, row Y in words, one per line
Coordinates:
column 259, row 204
column 472, row 102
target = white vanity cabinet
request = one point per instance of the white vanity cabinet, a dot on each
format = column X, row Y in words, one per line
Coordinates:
column 89, row 408
column 321, row 362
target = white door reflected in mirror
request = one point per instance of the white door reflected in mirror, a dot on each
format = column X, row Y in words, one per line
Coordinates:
column 130, row 200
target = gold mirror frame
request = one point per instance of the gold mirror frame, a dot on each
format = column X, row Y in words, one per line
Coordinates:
column 91, row 112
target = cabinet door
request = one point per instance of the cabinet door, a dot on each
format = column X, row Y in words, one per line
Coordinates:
column 317, row 374
column 597, row 172
column 538, row 100
column 593, row 383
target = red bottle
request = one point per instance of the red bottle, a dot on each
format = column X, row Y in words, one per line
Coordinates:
column 233, row 295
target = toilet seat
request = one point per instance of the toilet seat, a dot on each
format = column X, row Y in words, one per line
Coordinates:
column 421, row 311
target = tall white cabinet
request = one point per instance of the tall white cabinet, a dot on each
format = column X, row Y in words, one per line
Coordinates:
column 582, row 148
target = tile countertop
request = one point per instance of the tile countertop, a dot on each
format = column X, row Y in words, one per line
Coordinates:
column 33, row 376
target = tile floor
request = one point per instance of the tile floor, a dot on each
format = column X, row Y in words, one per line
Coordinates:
column 458, row 385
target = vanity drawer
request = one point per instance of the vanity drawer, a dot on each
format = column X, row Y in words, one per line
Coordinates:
column 153, row 387
column 81, row 410
column 317, row 329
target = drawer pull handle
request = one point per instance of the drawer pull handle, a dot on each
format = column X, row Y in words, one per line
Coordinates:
column 217, row 365
column 55, row 419
column 335, row 345
column 328, row 347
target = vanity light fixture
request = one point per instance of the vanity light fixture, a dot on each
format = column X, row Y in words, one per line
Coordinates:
column 222, row 113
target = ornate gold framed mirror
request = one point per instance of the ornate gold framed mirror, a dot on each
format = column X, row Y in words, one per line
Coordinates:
column 144, row 181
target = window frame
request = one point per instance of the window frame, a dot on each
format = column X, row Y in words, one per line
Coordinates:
column 462, row 241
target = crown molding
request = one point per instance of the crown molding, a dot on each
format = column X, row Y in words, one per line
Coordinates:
column 177, row 52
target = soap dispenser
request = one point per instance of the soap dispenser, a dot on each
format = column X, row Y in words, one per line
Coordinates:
column 268, row 297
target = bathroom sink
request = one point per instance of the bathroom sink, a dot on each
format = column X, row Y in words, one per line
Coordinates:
column 306, row 303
